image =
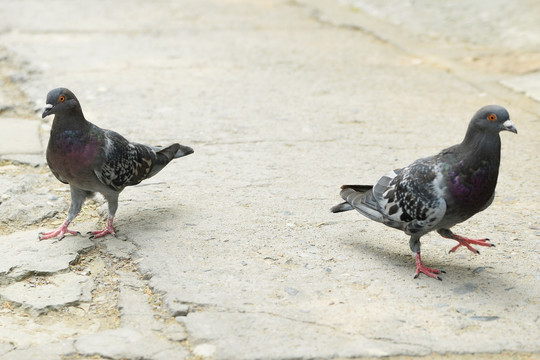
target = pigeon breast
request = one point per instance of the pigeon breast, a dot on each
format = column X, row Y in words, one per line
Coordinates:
column 72, row 153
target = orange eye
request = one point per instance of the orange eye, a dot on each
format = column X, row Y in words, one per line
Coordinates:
column 61, row 98
column 492, row 117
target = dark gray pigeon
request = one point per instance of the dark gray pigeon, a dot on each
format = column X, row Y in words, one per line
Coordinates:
column 438, row 192
column 91, row 159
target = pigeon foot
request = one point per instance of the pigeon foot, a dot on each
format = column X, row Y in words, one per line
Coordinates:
column 463, row 241
column 101, row 233
column 60, row 232
column 420, row 268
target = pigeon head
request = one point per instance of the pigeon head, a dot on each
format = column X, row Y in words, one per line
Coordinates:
column 60, row 101
column 492, row 118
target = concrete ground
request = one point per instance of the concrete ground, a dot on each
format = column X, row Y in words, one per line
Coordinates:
column 232, row 253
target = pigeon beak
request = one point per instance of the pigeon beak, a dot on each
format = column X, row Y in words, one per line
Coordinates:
column 48, row 108
column 509, row 125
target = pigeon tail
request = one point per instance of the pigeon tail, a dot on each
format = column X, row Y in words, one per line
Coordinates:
column 360, row 198
column 183, row 151
column 344, row 206
column 173, row 151
column 358, row 188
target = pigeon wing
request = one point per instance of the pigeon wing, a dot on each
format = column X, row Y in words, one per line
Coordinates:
column 123, row 163
column 412, row 198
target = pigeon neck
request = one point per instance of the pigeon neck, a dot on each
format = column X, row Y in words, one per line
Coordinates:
column 485, row 144
column 73, row 119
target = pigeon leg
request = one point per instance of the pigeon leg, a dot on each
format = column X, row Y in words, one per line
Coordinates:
column 108, row 230
column 420, row 268
column 463, row 241
column 112, row 201
column 77, row 199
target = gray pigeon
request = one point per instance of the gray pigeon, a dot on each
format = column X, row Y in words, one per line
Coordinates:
column 438, row 192
column 91, row 159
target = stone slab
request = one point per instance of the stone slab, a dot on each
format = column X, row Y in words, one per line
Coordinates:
column 34, row 160
column 127, row 343
column 24, row 255
column 19, row 136
column 47, row 351
column 529, row 84
column 119, row 247
column 225, row 335
column 58, row 291
column 26, row 200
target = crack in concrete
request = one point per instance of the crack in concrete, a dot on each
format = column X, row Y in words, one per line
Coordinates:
column 318, row 16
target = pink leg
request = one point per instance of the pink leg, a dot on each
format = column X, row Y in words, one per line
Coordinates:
column 62, row 229
column 108, row 230
column 420, row 268
column 463, row 241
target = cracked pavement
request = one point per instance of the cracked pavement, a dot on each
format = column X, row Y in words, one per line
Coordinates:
column 232, row 252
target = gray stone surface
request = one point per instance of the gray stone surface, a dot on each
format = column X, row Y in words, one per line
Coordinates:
column 284, row 102
column 26, row 200
column 19, row 136
column 127, row 343
column 5, row 348
column 176, row 307
column 174, row 353
column 25, row 332
column 24, row 255
column 48, row 351
column 222, row 335
column 119, row 247
column 529, row 84
column 56, row 292
column 29, row 159
column 176, row 332
column 472, row 22
column 135, row 311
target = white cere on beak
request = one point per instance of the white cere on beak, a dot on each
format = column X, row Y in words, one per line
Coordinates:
column 509, row 125
column 48, row 106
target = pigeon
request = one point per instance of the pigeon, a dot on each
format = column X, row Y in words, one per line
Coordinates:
column 438, row 192
column 91, row 159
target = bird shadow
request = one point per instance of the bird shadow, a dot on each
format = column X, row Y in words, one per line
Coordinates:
column 487, row 283
column 147, row 222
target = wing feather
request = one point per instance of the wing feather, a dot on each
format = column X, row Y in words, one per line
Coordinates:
column 410, row 199
column 414, row 198
column 124, row 163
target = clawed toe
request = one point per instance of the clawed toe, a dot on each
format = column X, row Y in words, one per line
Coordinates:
column 420, row 268
column 58, row 233
column 101, row 233
column 463, row 241
column 428, row 274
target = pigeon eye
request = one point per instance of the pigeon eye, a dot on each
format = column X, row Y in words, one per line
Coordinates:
column 492, row 117
column 61, row 98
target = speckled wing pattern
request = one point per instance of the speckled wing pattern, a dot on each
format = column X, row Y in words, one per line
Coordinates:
column 412, row 198
column 124, row 163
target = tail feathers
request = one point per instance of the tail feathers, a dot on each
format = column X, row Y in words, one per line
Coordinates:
column 165, row 155
column 173, row 151
column 360, row 198
column 345, row 206
column 358, row 188
column 183, row 151
column 347, row 190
